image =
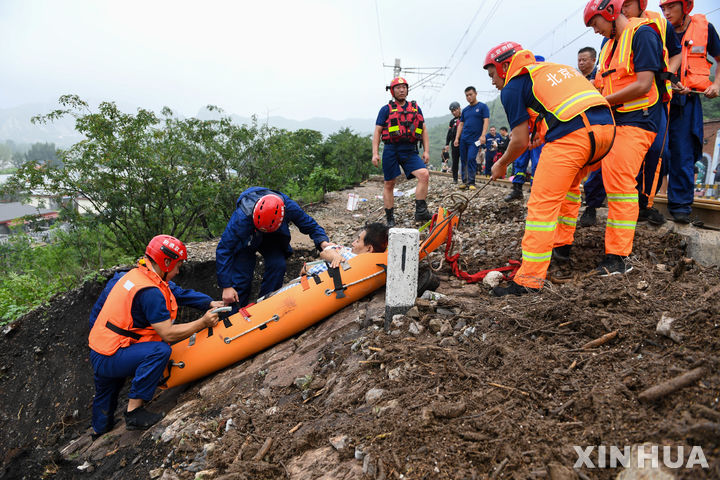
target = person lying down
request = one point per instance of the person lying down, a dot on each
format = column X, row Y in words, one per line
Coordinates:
column 371, row 239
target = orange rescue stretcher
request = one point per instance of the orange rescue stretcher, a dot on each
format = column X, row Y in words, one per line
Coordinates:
column 287, row 312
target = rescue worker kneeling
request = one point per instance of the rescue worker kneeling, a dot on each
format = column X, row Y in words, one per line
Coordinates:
column 131, row 326
column 556, row 104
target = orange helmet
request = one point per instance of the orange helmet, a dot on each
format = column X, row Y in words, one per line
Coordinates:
column 686, row 4
column 397, row 81
column 602, row 8
column 501, row 55
column 166, row 251
column 268, row 213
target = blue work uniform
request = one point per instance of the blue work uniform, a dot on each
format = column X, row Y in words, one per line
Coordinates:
column 144, row 362
column 235, row 253
column 686, row 139
column 473, row 118
column 520, row 165
column 398, row 154
column 490, row 150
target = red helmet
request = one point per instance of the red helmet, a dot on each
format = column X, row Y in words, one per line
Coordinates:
column 268, row 213
column 166, row 251
column 501, row 55
column 397, row 81
column 686, row 4
column 602, row 7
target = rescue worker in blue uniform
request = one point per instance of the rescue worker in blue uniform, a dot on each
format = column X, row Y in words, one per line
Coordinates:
column 131, row 326
column 260, row 223
column 698, row 39
column 400, row 125
column 470, row 136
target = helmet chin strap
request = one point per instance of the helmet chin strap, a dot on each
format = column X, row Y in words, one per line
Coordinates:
column 614, row 29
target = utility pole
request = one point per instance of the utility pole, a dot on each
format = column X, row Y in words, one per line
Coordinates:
column 396, row 68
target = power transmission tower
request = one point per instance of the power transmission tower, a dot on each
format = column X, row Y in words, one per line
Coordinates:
column 426, row 78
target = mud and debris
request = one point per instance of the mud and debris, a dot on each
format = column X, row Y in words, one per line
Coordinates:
column 463, row 386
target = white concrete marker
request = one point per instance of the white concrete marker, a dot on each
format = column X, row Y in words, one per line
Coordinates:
column 402, row 272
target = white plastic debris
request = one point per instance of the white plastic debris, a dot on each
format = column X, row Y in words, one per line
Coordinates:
column 493, row 279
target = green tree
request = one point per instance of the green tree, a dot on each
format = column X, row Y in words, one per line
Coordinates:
column 43, row 154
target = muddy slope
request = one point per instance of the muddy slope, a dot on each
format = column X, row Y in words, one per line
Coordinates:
column 468, row 386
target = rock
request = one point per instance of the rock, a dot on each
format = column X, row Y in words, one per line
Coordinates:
column 493, row 279
column 156, row 472
column 449, row 410
column 642, row 285
column 86, row 467
column 423, row 303
column 429, row 295
column 634, row 471
column 394, row 373
column 446, row 311
column 392, row 404
column 339, row 442
column 556, row 471
column 664, row 328
column 205, row 474
column 413, row 312
column 435, row 325
column 369, row 466
column 374, row 395
column 460, row 324
column 229, row 424
column 359, row 452
column 445, row 329
column 661, row 267
column 416, row 328
column 398, row 321
column 448, row 342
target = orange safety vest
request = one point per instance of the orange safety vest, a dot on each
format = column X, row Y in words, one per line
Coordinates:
column 562, row 93
column 695, row 67
column 113, row 328
column 617, row 72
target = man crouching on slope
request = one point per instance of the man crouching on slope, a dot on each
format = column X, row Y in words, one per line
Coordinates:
column 131, row 326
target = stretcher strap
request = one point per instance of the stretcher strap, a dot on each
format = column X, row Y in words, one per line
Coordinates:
column 508, row 271
column 304, row 282
column 337, row 281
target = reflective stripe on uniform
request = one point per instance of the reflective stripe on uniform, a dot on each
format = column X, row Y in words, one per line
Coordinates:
column 567, row 221
column 573, row 197
column 536, row 257
column 624, row 224
column 542, row 226
column 622, row 197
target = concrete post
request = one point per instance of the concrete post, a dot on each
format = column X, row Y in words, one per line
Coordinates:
column 402, row 273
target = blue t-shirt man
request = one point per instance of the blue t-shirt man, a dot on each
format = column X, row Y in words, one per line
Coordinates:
column 473, row 125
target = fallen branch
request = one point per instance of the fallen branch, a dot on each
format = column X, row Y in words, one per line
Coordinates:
column 499, row 468
column 508, row 388
column 600, row 341
column 672, row 385
column 295, row 428
column 263, row 450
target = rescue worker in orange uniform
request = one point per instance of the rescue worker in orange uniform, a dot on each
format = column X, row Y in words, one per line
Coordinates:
column 555, row 104
column 631, row 76
column 131, row 326
column 698, row 39
column 650, row 176
column 400, row 125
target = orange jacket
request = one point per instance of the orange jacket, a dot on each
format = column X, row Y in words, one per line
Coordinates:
column 695, row 67
column 562, row 93
column 114, row 326
column 618, row 72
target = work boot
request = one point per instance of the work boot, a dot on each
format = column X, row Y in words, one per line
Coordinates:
column 512, row 289
column 561, row 253
column 471, row 186
column 588, row 218
column 462, row 186
column 651, row 215
column 141, row 419
column 515, row 194
column 421, row 211
column 613, row 265
column 681, row 217
column 390, row 216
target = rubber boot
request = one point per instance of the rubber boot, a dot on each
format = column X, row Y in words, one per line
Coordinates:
column 141, row 419
column 515, row 194
column 421, row 211
column 390, row 216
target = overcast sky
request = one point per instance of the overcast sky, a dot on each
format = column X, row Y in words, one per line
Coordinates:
column 297, row 59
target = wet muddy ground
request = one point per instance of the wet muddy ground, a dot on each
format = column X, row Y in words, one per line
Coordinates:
column 467, row 386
